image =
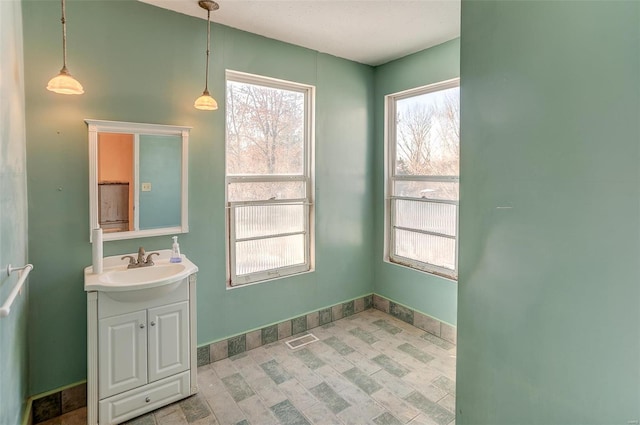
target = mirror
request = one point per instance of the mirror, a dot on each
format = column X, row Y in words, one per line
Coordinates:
column 138, row 179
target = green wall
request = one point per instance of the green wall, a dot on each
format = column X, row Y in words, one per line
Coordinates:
column 424, row 292
column 548, row 323
column 144, row 64
column 13, row 215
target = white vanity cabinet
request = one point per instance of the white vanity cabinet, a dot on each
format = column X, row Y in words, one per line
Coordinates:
column 141, row 350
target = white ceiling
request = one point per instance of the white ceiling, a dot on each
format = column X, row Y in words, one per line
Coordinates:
column 366, row 31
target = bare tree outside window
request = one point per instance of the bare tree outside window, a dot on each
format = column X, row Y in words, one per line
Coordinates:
column 265, row 130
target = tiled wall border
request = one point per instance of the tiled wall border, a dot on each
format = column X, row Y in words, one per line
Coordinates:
column 417, row 319
column 247, row 341
column 57, row 403
column 238, row 344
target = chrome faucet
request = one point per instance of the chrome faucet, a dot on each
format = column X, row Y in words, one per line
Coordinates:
column 141, row 261
column 140, row 255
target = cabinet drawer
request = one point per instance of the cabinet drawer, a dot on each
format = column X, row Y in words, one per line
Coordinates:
column 130, row 404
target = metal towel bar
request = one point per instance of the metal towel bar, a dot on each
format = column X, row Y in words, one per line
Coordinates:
column 24, row 273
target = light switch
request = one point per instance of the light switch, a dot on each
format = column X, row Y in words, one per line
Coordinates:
column 146, row 187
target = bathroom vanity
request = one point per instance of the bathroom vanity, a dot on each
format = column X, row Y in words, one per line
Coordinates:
column 141, row 337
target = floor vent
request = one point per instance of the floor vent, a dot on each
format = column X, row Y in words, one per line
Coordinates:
column 301, row 341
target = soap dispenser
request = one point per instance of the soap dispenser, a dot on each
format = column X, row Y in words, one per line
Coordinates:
column 175, row 251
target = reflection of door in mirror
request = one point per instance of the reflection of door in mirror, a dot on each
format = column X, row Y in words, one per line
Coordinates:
column 115, row 181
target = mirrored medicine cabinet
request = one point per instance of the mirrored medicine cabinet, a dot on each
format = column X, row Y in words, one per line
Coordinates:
column 138, row 179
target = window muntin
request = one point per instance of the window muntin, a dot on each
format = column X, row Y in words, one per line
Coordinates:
column 268, row 178
column 423, row 149
column 257, row 190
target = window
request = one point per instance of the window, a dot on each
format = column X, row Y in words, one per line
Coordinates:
column 422, row 178
column 269, row 169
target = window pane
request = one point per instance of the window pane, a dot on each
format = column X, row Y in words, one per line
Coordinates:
column 427, row 134
column 426, row 216
column 268, row 254
column 449, row 191
column 265, row 130
column 430, row 249
column 261, row 191
column 264, row 220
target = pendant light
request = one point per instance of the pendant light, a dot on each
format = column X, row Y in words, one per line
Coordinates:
column 64, row 83
column 206, row 102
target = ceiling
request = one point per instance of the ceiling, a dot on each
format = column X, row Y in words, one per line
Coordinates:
column 367, row 31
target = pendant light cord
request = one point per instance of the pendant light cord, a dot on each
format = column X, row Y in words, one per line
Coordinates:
column 206, row 77
column 64, row 38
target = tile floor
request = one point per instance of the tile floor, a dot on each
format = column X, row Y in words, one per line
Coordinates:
column 369, row 368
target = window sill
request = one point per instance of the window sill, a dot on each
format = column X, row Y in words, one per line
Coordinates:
column 453, row 279
column 273, row 279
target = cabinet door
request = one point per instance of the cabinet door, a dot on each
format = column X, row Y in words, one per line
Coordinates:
column 168, row 340
column 122, row 358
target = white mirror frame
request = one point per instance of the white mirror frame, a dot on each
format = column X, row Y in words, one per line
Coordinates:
column 99, row 126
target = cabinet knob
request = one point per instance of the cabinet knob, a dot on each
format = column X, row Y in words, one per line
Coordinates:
column 148, row 399
column 153, row 323
column 141, row 325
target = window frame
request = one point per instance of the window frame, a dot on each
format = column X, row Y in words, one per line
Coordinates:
column 307, row 177
column 390, row 177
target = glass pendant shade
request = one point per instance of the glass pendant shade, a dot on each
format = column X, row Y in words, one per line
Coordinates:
column 206, row 102
column 64, row 83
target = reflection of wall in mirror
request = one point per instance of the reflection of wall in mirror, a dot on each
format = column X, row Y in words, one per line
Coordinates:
column 160, row 164
column 115, row 165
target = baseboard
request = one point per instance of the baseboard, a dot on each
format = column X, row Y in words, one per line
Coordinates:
column 413, row 317
column 27, row 418
column 52, row 404
column 240, row 343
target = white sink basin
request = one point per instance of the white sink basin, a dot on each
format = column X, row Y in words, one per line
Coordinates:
column 143, row 275
column 151, row 281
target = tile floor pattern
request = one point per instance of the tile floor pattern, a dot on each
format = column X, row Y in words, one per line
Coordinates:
column 369, row 368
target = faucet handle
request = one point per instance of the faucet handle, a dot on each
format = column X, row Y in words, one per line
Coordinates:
column 149, row 261
column 131, row 259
